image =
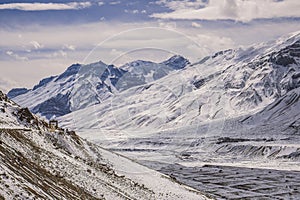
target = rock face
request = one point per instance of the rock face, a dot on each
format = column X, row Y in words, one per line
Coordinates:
column 16, row 92
column 176, row 62
column 81, row 86
column 58, row 105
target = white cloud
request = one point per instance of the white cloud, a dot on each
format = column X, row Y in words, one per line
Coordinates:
column 181, row 4
column 60, row 53
column 36, row 45
column 114, row 2
column 213, row 42
column 10, row 53
column 134, row 11
column 45, row 6
column 16, row 56
column 115, row 52
column 69, row 47
column 101, row 3
column 196, row 25
column 238, row 10
column 167, row 25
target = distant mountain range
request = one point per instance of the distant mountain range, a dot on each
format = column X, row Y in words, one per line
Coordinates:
column 81, row 86
column 226, row 84
column 144, row 94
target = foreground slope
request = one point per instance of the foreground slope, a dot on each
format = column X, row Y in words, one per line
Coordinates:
column 37, row 163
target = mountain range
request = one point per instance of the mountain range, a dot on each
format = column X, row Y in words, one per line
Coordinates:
column 240, row 81
column 81, row 86
column 143, row 95
column 226, row 84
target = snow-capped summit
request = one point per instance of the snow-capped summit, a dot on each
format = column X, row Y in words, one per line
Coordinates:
column 177, row 62
column 141, row 72
column 81, row 86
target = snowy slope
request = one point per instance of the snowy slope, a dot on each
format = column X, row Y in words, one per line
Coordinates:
column 38, row 164
column 81, row 86
column 283, row 111
column 227, row 84
column 142, row 72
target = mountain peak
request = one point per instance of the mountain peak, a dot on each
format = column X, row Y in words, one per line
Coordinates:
column 177, row 62
column 135, row 63
column 16, row 92
column 73, row 69
column 176, row 57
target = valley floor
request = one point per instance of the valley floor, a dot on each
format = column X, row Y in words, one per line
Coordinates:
column 237, row 162
column 226, row 182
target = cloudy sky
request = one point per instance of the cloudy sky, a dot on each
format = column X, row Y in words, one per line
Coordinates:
column 43, row 38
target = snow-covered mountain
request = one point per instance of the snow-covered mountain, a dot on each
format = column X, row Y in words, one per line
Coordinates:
column 36, row 163
column 227, row 84
column 81, row 86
